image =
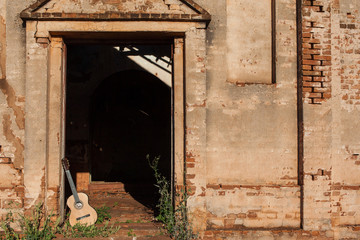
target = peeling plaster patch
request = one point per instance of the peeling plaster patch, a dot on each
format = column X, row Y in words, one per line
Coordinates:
column 7, row 193
column 249, row 54
column 246, row 207
column 9, row 92
column 9, row 177
column 281, row 102
column 34, row 190
column 16, row 141
column 2, row 47
column 231, row 112
column 50, row 193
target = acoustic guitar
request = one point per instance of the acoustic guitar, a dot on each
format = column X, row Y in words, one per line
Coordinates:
column 80, row 210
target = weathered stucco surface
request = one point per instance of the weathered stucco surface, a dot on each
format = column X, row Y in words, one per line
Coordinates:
column 12, row 100
column 331, row 140
column 2, row 39
column 249, row 53
column 250, row 173
column 251, row 130
column 99, row 6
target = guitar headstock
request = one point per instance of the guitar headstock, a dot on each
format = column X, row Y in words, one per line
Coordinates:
column 65, row 163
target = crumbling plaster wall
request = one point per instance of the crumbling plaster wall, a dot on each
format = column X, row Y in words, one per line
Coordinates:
column 251, row 132
column 330, row 63
column 12, row 102
column 331, row 116
column 45, row 149
column 237, row 122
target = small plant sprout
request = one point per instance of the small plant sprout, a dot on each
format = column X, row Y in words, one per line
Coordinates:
column 103, row 214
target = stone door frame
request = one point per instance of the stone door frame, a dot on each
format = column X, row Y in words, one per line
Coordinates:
column 45, row 100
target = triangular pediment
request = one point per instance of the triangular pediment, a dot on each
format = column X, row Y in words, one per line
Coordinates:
column 174, row 10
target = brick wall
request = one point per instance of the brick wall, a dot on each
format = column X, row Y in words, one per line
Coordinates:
column 247, row 207
column 348, row 44
column 331, row 58
column 316, row 59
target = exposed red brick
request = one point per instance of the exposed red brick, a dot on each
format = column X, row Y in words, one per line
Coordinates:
column 307, row 89
column 311, row 51
column 320, row 57
column 311, row 84
column 311, row 62
column 311, row 40
column 314, row 95
column 321, row 90
column 190, row 165
column 307, row 35
column 316, row 50
column 307, row 67
column 311, row 8
column 312, row 73
column 252, row 215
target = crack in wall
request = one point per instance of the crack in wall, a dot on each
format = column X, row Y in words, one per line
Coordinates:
column 9, row 92
column 16, row 142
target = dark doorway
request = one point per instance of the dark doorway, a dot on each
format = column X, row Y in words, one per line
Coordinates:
column 118, row 112
column 130, row 118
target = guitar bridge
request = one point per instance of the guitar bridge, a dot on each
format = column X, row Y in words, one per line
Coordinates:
column 82, row 217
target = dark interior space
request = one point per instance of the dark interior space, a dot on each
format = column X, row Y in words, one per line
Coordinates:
column 130, row 118
column 116, row 114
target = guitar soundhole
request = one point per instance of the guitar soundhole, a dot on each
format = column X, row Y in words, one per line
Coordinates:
column 78, row 205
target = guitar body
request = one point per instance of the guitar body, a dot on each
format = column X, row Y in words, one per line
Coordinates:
column 84, row 215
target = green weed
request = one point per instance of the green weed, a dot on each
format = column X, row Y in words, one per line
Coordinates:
column 33, row 227
column 131, row 233
column 174, row 218
column 38, row 226
column 103, row 214
column 9, row 232
column 79, row 230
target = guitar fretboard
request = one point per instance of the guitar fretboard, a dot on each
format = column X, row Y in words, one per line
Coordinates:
column 72, row 186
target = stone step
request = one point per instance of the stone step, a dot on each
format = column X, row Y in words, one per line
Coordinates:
column 116, row 202
column 157, row 237
column 130, row 215
column 119, row 187
column 138, row 229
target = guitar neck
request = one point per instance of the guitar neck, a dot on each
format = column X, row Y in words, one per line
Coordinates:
column 72, row 186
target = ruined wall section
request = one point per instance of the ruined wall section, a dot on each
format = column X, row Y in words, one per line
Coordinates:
column 195, row 115
column 251, row 166
column 346, row 112
column 12, row 101
column 316, row 44
column 331, row 121
column 2, row 39
column 316, row 65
